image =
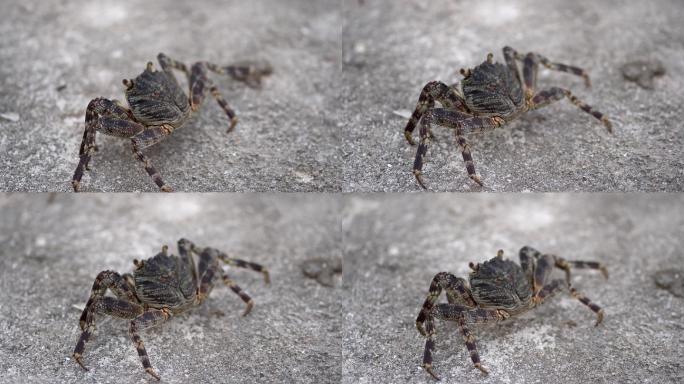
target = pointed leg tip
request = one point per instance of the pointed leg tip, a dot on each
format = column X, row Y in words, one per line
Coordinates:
column 604, row 272
column 166, row 188
column 247, row 310
column 233, row 123
column 481, row 368
column 76, row 185
column 428, row 369
column 599, row 318
column 267, row 277
column 153, row 373
column 419, row 179
column 478, row 180
column 409, row 138
column 77, row 358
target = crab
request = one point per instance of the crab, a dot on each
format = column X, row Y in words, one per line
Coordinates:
column 498, row 289
column 160, row 287
column 158, row 106
column 489, row 96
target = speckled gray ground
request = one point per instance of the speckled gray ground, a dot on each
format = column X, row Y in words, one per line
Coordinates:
column 50, row 253
column 286, row 139
column 394, row 245
column 391, row 49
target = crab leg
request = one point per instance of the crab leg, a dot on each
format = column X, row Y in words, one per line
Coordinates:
column 144, row 139
column 198, row 83
column 434, row 90
column 245, row 264
column 546, row 97
column 148, row 319
column 457, row 292
column 108, row 306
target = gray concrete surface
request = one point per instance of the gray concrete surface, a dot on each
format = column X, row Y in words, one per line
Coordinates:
column 286, row 139
column 391, row 49
column 50, row 253
column 394, row 245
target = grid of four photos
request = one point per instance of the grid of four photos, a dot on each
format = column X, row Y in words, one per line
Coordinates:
column 351, row 191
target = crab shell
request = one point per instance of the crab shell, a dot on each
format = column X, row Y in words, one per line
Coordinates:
column 156, row 99
column 490, row 89
column 165, row 281
column 500, row 283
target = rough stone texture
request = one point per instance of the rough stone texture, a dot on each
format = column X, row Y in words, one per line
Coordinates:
column 56, row 56
column 51, row 249
column 394, row 245
column 391, row 49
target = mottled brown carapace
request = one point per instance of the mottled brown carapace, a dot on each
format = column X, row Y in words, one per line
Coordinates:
column 159, row 288
column 489, row 96
column 498, row 289
column 157, row 107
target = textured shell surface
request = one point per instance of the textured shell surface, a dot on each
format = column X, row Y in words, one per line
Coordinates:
column 492, row 90
column 155, row 99
column 500, row 283
column 165, row 281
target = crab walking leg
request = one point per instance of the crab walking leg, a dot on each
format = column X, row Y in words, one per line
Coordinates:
column 243, row 295
column 421, row 152
column 198, row 84
column 168, row 64
column 549, row 290
column 470, row 345
column 108, row 306
column 144, row 139
column 457, row 292
column 107, row 280
column 105, row 116
column 434, row 90
column 429, row 347
column 531, row 63
column 148, row 319
column 566, row 265
column 463, row 124
column 585, row 300
column 546, row 97
column 245, row 264
column 510, row 56
column 249, row 72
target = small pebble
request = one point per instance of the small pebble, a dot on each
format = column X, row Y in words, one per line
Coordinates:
column 322, row 269
column 671, row 280
column 11, row 116
column 642, row 72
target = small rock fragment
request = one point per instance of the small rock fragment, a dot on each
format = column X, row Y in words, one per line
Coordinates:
column 642, row 72
column 405, row 113
column 11, row 116
column 322, row 269
column 671, row 280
